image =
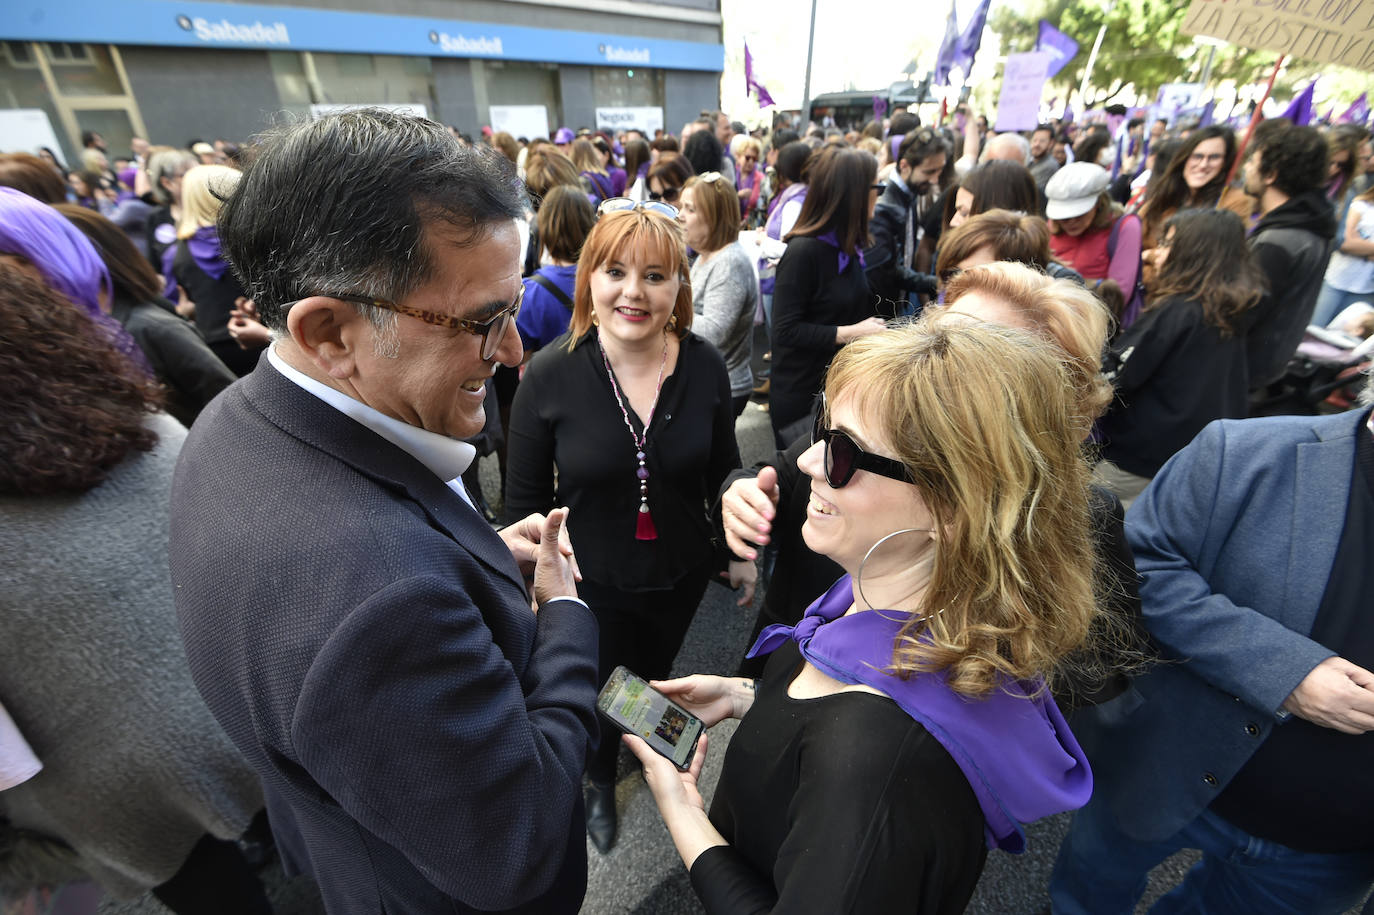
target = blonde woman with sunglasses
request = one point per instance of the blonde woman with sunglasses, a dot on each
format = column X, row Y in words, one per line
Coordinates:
column 904, row 725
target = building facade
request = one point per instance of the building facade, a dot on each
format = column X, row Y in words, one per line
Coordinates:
column 170, row 71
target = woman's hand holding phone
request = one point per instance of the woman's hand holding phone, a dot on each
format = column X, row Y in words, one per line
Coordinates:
column 678, row 799
column 710, row 698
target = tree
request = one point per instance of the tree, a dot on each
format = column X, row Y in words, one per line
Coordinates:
column 1142, row 47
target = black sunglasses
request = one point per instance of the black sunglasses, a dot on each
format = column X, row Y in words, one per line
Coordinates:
column 843, row 456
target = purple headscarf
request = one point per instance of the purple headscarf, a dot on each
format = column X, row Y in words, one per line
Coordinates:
column 66, row 259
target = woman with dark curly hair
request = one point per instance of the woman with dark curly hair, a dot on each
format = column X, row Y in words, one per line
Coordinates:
column 139, row 788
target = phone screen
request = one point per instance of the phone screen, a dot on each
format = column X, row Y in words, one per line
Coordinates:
column 637, row 708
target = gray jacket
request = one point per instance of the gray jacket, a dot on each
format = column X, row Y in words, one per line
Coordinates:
column 92, row 669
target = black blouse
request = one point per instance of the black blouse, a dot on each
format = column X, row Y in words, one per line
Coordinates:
column 811, row 298
column 842, row 803
column 568, row 445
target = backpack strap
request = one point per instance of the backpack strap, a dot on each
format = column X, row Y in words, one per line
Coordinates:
column 553, row 289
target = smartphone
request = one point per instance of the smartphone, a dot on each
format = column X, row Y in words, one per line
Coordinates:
column 631, row 704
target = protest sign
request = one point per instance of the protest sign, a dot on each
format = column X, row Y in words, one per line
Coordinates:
column 1023, row 80
column 1321, row 31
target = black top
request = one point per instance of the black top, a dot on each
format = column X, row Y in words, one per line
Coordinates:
column 842, row 803
column 1174, row 373
column 1326, row 794
column 568, row 445
column 888, row 279
column 799, row 575
column 1292, row 244
column 214, row 298
column 159, row 241
column 190, row 371
column 810, row 299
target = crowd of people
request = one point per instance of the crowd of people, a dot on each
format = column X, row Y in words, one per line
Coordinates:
column 1057, row 520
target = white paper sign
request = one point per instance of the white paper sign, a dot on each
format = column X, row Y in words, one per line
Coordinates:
column 645, row 120
column 1023, row 82
column 27, row 130
column 528, row 121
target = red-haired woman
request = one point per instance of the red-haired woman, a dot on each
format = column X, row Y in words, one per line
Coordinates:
column 635, row 413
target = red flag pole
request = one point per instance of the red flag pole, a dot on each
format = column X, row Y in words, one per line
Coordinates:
column 944, row 109
column 1254, row 120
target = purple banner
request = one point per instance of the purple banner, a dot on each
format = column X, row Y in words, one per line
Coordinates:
column 1299, row 111
column 1061, row 47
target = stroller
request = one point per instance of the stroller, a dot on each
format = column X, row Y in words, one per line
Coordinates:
column 1327, row 371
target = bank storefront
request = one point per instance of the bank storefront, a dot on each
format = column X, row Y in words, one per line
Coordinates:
column 170, row 71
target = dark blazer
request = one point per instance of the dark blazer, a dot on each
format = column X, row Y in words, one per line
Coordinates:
column 367, row 642
column 1234, row 541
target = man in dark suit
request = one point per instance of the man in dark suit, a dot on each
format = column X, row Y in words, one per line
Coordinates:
column 363, row 636
column 1253, row 740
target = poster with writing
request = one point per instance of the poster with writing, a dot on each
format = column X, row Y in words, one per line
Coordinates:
column 1023, row 81
column 1322, row 31
column 645, row 120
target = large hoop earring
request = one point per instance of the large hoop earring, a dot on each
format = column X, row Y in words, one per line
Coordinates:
column 859, row 579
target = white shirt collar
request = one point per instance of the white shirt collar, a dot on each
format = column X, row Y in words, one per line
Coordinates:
column 447, row 458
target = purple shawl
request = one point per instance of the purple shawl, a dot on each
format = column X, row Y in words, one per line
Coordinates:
column 1015, row 749
column 205, row 251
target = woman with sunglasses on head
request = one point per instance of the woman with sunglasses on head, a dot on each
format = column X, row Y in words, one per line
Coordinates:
column 628, row 422
column 667, row 177
column 821, row 297
column 750, row 180
column 903, row 726
column 725, row 291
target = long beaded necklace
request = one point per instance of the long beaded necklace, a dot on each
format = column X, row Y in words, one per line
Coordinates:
column 644, row 523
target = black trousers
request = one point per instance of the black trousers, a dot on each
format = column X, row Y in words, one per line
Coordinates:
column 215, row 879
column 642, row 630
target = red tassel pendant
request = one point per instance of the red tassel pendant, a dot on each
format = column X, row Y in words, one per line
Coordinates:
column 644, row 525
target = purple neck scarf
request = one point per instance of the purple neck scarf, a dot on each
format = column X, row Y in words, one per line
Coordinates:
column 830, row 239
column 204, row 247
column 1017, row 752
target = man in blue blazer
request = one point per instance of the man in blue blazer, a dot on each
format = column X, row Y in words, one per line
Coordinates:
column 362, row 635
column 1253, row 738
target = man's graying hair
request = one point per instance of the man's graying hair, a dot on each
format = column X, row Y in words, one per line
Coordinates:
column 340, row 205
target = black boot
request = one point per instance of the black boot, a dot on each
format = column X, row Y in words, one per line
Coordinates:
column 601, row 822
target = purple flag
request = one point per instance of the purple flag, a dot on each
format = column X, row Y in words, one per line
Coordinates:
column 750, row 83
column 949, row 46
column 1358, row 112
column 1067, row 116
column 1208, row 112
column 1299, row 111
column 972, row 38
column 1062, row 48
column 879, row 107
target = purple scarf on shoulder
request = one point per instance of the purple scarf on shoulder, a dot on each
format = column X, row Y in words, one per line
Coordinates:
column 845, row 256
column 1015, row 749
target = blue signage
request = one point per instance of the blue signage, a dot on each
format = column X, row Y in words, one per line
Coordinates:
column 279, row 28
